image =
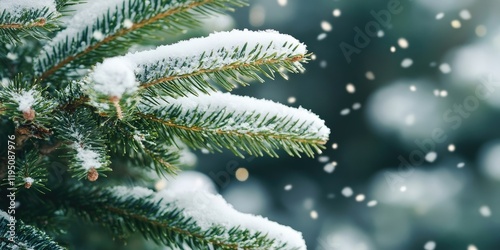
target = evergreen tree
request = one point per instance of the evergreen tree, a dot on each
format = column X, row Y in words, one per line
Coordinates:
column 85, row 121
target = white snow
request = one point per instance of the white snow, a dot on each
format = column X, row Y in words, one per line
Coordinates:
column 370, row 75
column 456, row 24
column 465, row 14
column 326, row 26
column 88, row 158
column 445, row 68
column 17, row 7
column 314, row 214
column 345, row 111
column 360, row 197
column 323, row 64
column 322, row 36
column 481, row 30
column 336, row 12
column 114, row 77
column 372, row 203
column 187, row 158
column 209, row 210
column 98, row 35
column 288, row 187
column 347, row 192
column 485, row 211
column 282, row 2
column 29, row 180
column 472, row 247
column 323, row 158
column 4, row 215
column 242, row 105
column 430, row 245
column 406, row 63
column 208, row 53
column 25, row 100
column 351, row 89
column 356, row 106
column 403, row 43
column 190, row 181
column 127, row 23
column 431, row 156
column 12, row 56
column 213, row 52
column 330, row 167
column 257, row 15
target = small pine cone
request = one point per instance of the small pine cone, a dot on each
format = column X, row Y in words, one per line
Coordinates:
column 92, row 174
column 27, row 185
column 29, row 115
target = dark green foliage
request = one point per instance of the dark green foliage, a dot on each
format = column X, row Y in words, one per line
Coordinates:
column 66, row 129
column 199, row 130
column 148, row 18
column 145, row 214
column 161, row 79
column 31, row 23
column 27, row 237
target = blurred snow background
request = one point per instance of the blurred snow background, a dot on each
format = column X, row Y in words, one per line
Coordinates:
column 414, row 157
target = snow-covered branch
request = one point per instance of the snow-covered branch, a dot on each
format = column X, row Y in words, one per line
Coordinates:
column 238, row 123
column 19, row 18
column 224, row 58
column 22, row 100
column 86, row 147
column 112, row 26
column 25, row 237
column 195, row 218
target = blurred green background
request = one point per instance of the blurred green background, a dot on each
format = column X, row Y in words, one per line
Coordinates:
column 443, row 51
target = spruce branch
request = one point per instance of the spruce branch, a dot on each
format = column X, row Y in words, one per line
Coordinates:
column 26, row 236
column 89, row 43
column 19, row 21
column 26, row 101
column 63, row 5
column 38, row 23
column 98, row 107
column 31, row 172
column 174, row 219
column 85, row 145
column 237, row 123
column 225, row 58
column 144, row 148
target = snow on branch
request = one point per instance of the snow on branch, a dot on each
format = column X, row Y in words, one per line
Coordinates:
column 25, row 237
column 210, row 219
column 101, row 29
column 184, row 67
column 24, row 100
column 238, row 123
column 17, row 8
column 87, row 148
column 114, row 77
column 25, row 16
